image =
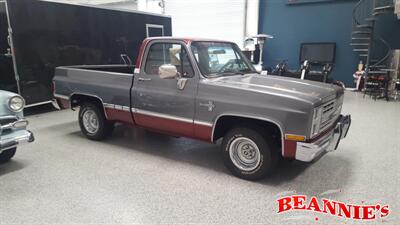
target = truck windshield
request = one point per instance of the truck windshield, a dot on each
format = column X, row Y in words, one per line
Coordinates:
column 220, row 59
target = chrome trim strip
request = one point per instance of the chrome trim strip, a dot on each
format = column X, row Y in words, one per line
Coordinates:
column 65, row 97
column 109, row 106
column 36, row 104
column 203, row 123
column 13, row 124
column 117, row 107
column 251, row 117
column 126, row 108
column 161, row 115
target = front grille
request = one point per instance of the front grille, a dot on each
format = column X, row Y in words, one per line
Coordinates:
column 5, row 121
column 330, row 113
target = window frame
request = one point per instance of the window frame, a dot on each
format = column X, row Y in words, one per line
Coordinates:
column 172, row 42
column 234, row 45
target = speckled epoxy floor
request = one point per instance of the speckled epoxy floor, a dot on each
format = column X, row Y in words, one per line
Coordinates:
column 138, row 177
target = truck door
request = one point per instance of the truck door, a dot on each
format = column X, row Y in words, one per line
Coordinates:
column 158, row 102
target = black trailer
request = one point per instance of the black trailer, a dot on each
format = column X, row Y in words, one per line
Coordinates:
column 36, row 36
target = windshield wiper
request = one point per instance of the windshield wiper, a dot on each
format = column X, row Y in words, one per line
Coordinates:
column 247, row 71
column 227, row 73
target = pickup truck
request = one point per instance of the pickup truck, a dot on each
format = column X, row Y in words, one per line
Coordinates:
column 207, row 90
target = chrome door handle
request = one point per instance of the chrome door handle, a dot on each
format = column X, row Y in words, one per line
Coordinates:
column 144, row 79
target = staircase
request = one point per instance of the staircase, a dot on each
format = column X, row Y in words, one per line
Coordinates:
column 364, row 41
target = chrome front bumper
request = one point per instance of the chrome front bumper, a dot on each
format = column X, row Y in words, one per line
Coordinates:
column 14, row 134
column 307, row 152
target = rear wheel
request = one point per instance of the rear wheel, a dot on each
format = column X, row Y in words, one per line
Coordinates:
column 93, row 122
column 6, row 155
column 248, row 153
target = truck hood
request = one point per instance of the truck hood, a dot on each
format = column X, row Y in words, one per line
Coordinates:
column 304, row 90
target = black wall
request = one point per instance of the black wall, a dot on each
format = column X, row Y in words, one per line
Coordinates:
column 47, row 35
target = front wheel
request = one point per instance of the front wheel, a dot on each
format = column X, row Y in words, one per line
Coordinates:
column 248, row 153
column 6, row 155
column 93, row 122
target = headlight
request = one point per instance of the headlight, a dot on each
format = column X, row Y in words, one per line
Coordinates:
column 317, row 115
column 16, row 103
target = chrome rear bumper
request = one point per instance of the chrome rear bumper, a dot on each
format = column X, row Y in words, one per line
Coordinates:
column 307, row 152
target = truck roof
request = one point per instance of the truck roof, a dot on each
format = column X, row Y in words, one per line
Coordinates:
column 185, row 39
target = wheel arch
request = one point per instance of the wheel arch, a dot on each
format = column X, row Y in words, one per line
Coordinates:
column 218, row 130
column 77, row 99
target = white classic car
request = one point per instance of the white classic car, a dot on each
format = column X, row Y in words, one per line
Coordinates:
column 12, row 125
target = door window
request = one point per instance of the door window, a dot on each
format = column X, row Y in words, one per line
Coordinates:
column 170, row 54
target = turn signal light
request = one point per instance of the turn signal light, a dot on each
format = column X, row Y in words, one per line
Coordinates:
column 293, row 137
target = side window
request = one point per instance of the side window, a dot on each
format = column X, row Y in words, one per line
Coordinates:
column 168, row 53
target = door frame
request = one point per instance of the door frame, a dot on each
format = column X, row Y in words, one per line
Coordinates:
column 11, row 44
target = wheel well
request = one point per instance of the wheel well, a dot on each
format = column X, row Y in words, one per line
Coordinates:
column 79, row 99
column 226, row 123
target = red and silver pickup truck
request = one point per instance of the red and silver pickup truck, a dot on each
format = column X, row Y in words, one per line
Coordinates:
column 208, row 90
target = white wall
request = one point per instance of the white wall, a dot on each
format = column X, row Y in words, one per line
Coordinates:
column 92, row 2
column 122, row 4
column 252, row 16
column 220, row 19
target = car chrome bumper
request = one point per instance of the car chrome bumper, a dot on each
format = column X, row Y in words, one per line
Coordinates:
column 307, row 152
column 16, row 135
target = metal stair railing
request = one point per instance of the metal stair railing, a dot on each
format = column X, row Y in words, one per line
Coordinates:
column 364, row 40
column 362, row 11
column 383, row 59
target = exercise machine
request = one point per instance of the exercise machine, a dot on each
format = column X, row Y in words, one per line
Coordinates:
column 312, row 55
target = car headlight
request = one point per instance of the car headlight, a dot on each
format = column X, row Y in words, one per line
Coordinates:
column 16, row 103
column 316, row 122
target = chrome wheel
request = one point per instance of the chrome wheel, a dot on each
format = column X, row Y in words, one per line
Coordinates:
column 244, row 154
column 90, row 121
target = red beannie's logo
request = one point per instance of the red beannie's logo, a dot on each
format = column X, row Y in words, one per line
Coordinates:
column 334, row 208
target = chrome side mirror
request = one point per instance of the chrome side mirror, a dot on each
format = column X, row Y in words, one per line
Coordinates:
column 167, row 71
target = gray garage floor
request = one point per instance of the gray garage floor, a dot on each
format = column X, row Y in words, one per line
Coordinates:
column 145, row 178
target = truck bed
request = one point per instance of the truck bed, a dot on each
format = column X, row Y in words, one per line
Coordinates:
column 109, row 83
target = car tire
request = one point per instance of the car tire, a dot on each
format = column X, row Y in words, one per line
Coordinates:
column 93, row 122
column 6, row 155
column 248, row 153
